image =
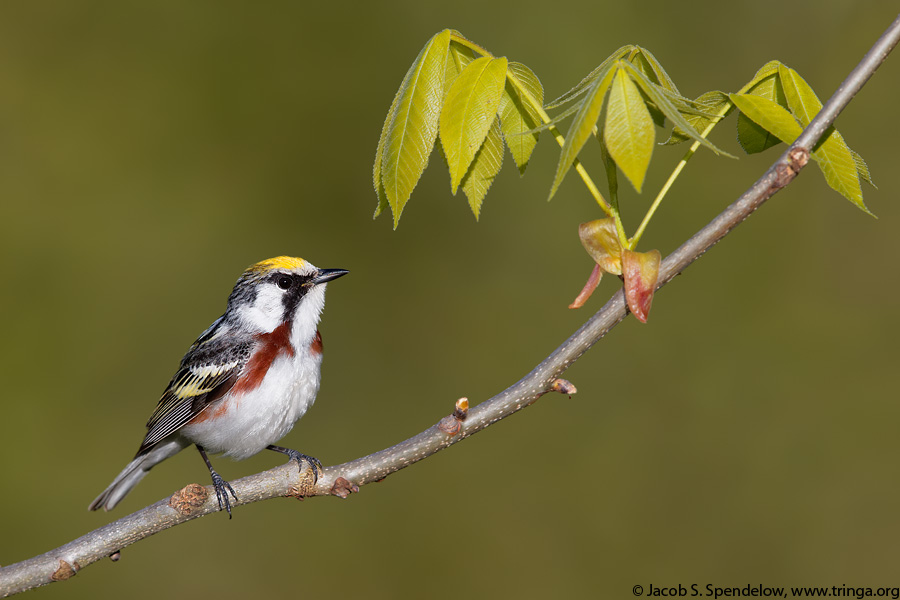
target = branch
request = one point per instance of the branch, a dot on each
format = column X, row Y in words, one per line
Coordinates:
column 195, row 501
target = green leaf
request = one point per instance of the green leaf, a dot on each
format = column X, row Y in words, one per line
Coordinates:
column 836, row 160
column 659, row 119
column 833, row 156
column 654, row 71
column 751, row 136
column 686, row 106
column 484, row 168
column 767, row 70
column 716, row 107
column 769, row 115
column 458, row 57
column 629, row 133
column 518, row 117
column 379, row 152
column 639, row 64
column 583, row 124
column 769, row 87
column 468, row 114
column 712, row 102
column 591, row 78
column 863, row 169
column 647, row 64
column 801, row 98
column 655, row 94
column 409, row 137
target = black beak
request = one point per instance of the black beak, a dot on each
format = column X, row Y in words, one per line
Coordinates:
column 326, row 275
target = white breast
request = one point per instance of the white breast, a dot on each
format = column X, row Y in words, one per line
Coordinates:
column 246, row 423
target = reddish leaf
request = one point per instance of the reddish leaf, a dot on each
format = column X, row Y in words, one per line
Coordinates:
column 589, row 288
column 601, row 241
column 641, row 270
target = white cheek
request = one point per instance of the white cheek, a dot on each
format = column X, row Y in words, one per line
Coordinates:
column 265, row 313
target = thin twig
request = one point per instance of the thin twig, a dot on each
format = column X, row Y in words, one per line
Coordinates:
column 195, row 501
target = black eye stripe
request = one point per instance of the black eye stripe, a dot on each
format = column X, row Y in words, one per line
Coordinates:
column 294, row 287
column 286, row 280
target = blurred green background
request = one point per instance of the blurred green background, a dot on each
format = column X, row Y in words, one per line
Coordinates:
column 149, row 152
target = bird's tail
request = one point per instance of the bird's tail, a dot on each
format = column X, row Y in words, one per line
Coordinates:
column 135, row 471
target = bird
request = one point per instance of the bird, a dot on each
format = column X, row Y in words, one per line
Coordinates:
column 245, row 381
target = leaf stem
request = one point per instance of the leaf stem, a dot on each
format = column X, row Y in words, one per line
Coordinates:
column 723, row 112
column 612, row 180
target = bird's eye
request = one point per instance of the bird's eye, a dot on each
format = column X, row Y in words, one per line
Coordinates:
column 284, row 282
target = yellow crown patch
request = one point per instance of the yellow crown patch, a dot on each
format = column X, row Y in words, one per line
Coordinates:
column 279, row 262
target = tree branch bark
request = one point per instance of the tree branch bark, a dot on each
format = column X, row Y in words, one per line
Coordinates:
column 195, row 500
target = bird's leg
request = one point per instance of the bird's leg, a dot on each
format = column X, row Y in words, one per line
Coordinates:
column 299, row 457
column 222, row 486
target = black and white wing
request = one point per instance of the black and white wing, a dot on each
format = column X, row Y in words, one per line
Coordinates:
column 207, row 372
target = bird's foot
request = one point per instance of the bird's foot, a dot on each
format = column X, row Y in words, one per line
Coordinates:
column 312, row 461
column 223, row 488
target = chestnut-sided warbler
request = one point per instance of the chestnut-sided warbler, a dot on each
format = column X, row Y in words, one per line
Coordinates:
column 245, row 381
